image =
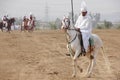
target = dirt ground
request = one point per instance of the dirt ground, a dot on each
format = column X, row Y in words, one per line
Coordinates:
column 41, row 56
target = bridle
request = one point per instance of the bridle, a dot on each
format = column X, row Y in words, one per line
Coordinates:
column 67, row 27
column 69, row 41
column 68, row 21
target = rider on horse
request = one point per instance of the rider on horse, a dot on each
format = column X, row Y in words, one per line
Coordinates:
column 4, row 20
column 28, row 22
column 31, row 20
column 84, row 26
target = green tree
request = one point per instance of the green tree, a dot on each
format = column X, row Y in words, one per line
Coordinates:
column 108, row 24
column 99, row 26
column 58, row 23
column 52, row 25
column 118, row 27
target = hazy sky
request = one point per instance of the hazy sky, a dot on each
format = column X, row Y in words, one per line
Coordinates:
column 109, row 9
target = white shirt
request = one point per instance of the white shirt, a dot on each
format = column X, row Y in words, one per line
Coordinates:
column 84, row 23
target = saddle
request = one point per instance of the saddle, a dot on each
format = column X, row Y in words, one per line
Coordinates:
column 90, row 47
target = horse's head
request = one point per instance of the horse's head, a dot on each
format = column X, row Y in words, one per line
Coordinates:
column 65, row 23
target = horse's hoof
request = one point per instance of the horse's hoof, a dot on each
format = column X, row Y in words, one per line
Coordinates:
column 67, row 54
column 73, row 75
column 88, row 76
column 81, row 70
column 84, row 54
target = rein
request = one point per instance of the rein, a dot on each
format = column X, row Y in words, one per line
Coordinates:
column 70, row 41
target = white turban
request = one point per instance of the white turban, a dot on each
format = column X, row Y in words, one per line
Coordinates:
column 83, row 6
column 64, row 17
column 83, row 9
column 30, row 13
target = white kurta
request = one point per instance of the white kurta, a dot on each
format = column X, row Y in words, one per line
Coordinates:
column 85, row 25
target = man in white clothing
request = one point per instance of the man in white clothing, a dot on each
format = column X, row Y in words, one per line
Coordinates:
column 84, row 25
column 4, row 20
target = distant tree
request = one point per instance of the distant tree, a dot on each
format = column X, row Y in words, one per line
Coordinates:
column 118, row 27
column 58, row 23
column 37, row 23
column 99, row 26
column 52, row 25
column 95, row 18
column 18, row 21
column 108, row 24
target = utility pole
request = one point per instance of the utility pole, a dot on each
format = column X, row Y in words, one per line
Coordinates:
column 72, row 12
column 46, row 13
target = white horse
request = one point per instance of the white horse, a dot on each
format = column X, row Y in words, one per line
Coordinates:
column 74, row 47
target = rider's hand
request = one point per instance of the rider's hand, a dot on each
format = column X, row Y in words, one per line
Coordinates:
column 77, row 29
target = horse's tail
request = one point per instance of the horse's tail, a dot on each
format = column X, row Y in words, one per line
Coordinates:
column 107, row 62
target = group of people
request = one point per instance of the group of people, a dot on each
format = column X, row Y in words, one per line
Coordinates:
column 28, row 23
column 6, row 23
column 31, row 18
column 83, row 25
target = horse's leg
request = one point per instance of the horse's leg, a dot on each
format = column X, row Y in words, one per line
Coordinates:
column 92, row 63
column 2, row 29
column 69, row 51
column 74, row 61
column 29, row 28
column 80, row 69
column 74, row 68
column 90, row 67
column 24, row 29
column 9, row 28
column 32, row 28
column 21, row 28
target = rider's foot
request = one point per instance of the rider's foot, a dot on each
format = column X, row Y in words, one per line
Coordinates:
column 67, row 54
column 83, row 52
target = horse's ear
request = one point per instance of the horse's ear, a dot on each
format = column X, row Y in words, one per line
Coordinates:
column 64, row 17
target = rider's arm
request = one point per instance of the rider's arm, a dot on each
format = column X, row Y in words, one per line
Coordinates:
column 86, row 25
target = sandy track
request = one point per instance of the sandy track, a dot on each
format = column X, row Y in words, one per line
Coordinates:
column 41, row 56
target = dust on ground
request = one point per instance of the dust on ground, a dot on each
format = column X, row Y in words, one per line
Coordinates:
column 41, row 56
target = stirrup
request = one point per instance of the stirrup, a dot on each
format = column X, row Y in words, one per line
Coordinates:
column 83, row 52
